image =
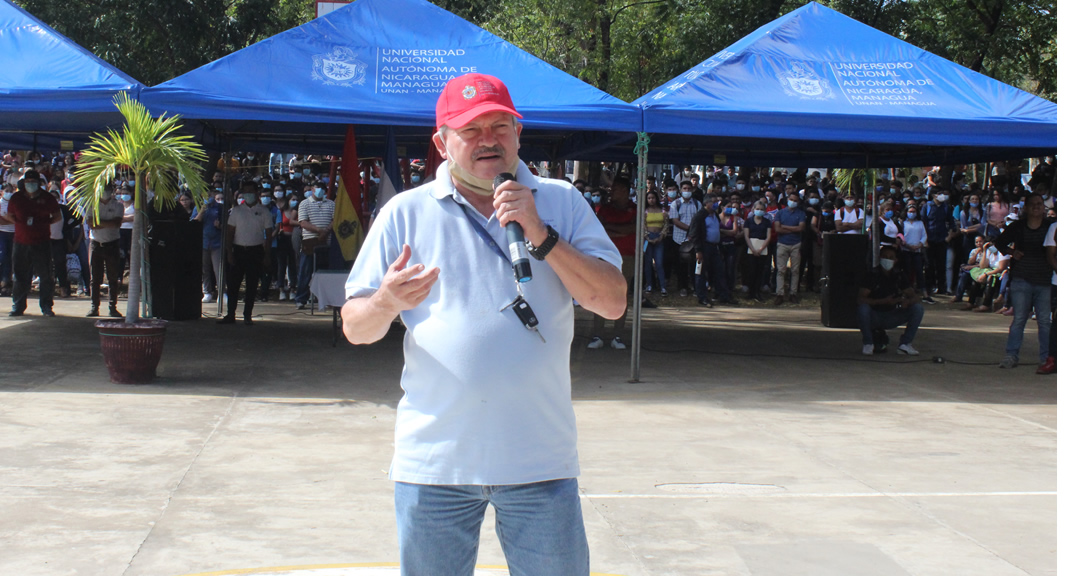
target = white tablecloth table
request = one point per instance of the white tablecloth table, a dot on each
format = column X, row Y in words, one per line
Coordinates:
column 328, row 287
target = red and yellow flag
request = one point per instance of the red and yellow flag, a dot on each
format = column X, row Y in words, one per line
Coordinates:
column 347, row 227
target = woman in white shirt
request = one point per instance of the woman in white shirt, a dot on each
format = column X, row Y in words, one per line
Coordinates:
column 913, row 246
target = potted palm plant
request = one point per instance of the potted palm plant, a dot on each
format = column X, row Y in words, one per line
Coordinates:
column 152, row 152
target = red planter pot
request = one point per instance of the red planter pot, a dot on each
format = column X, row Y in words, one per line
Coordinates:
column 132, row 351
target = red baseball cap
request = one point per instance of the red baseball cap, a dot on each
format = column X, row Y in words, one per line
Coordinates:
column 466, row 97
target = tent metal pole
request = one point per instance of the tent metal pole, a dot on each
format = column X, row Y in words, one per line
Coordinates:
column 223, row 217
column 642, row 151
column 875, row 240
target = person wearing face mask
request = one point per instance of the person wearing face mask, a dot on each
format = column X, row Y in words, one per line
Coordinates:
column 315, row 217
column 810, row 250
column 790, row 222
column 126, row 196
column 415, row 179
column 705, row 234
column 269, row 271
column 33, row 211
column 7, row 239
column 886, row 300
column 286, row 253
column 730, row 234
column 888, row 231
column 912, row 248
column 680, row 214
column 757, row 231
column 849, row 218
column 105, row 262
column 668, row 196
column 939, row 225
column 210, row 215
column 247, row 247
column 486, row 399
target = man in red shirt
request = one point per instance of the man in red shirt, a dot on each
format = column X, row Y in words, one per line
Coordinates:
column 619, row 218
column 33, row 211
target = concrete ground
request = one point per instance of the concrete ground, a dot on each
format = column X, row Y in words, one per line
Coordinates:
column 756, row 443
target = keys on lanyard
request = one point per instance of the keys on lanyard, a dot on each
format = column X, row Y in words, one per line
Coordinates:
column 525, row 314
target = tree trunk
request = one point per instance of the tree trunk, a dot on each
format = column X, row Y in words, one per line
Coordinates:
column 138, row 231
column 603, row 79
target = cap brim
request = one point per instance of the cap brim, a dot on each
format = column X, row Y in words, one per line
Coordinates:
column 472, row 113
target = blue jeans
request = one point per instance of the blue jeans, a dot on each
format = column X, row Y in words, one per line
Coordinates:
column 871, row 320
column 1026, row 296
column 654, row 252
column 83, row 254
column 303, row 285
column 539, row 526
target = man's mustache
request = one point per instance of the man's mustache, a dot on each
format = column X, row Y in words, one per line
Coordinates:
column 492, row 151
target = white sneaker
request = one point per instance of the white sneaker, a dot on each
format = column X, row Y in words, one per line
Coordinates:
column 207, row 298
column 616, row 343
column 284, row 295
column 596, row 343
column 906, row 349
column 868, row 349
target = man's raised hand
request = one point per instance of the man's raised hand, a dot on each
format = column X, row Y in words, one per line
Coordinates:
column 405, row 287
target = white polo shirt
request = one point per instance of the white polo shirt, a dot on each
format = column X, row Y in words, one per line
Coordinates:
column 110, row 210
column 250, row 224
column 486, row 402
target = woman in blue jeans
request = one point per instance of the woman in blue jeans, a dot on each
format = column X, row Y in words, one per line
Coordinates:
column 1029, row 278
column 656, row 224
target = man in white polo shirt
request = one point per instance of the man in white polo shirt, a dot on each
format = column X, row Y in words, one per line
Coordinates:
column 247, row 247
column 486, row 417
column 316, row 218
column 105, row 251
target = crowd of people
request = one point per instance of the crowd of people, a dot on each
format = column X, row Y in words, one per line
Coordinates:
column 718, row 234
column 725, row 233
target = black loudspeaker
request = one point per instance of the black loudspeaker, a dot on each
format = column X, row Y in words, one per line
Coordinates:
column 162, row 235
column 175, row 268
column 843, row 263
column 187, row 263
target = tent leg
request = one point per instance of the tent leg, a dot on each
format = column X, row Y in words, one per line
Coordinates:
column 875, row 240
column 223, row 216
column 642, row 151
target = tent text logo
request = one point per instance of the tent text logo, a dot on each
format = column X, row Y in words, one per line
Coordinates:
column 338, row 68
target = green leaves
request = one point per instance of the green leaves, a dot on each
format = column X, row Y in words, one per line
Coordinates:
column 149, row 149
column 156, row 40
column 625, row 47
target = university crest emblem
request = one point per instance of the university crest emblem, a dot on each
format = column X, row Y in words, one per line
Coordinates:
column 800, row 80
column 338, row 68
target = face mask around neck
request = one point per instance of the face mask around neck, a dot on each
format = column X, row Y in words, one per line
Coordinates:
column 462, row 178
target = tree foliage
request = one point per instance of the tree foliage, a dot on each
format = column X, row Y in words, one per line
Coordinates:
column 625, row 47
column 629, row 47
column 155, row 40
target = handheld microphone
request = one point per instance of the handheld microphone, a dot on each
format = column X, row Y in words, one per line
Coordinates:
column 519, row 253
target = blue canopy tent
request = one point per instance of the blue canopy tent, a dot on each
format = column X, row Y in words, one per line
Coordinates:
column 816, row 88
column 377, row 63
column 54, row 92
